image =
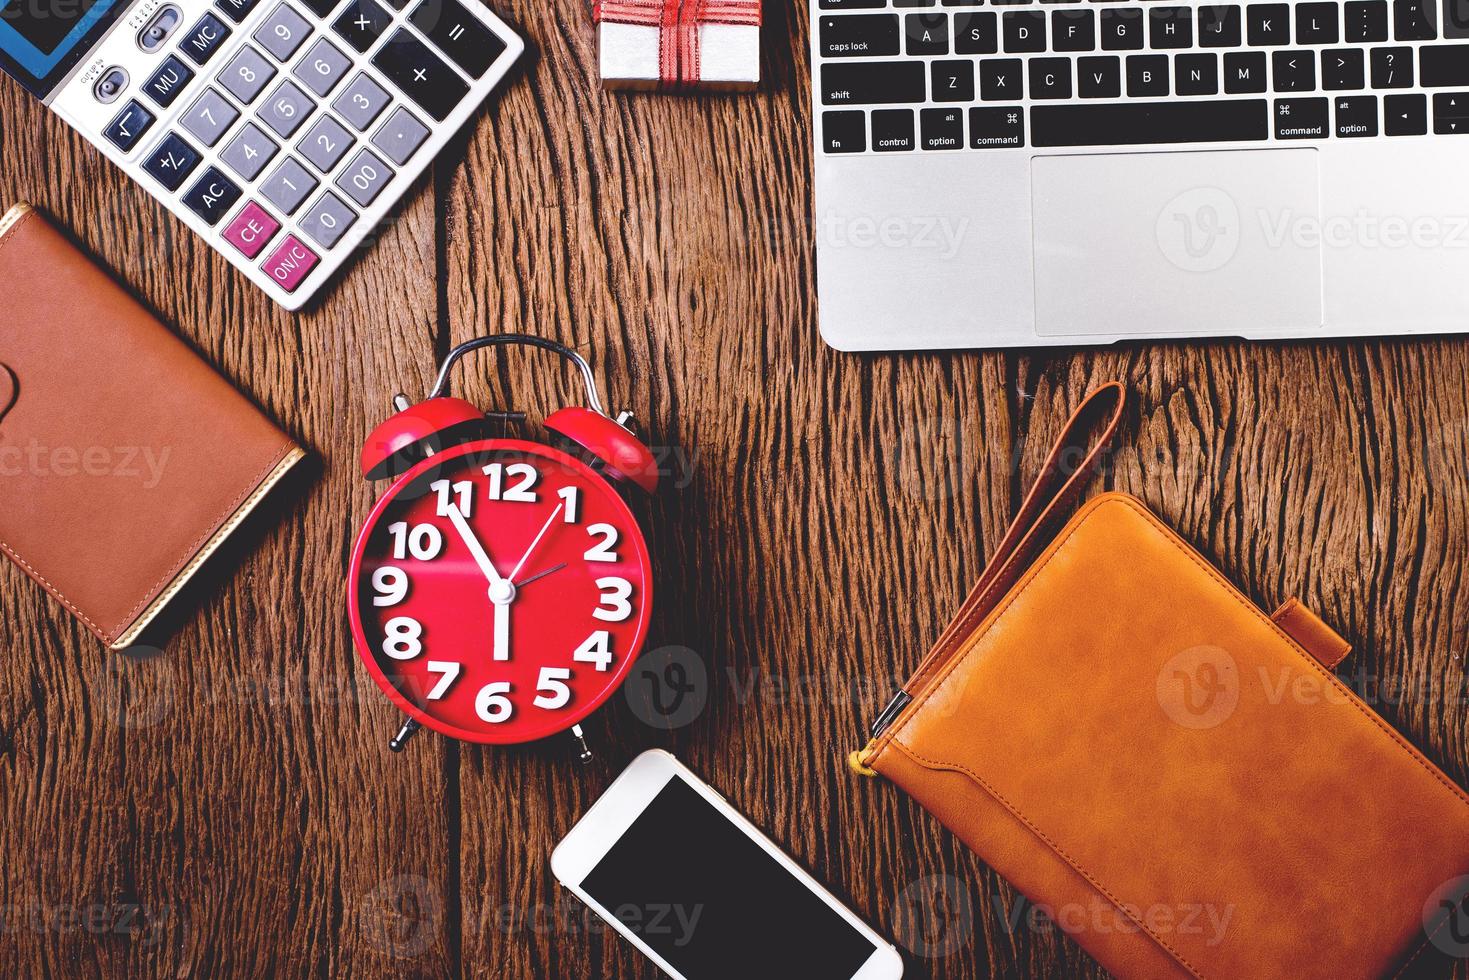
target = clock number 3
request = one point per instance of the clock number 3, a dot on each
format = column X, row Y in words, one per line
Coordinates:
column 613, row 607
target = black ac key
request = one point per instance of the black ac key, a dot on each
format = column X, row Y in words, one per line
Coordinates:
column 422, row 75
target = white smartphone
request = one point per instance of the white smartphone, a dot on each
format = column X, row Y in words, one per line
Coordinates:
column 667, row 862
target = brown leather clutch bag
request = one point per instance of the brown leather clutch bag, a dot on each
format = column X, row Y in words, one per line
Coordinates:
column 1176, row 777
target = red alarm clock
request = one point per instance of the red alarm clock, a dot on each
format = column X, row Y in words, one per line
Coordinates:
column 501, row 588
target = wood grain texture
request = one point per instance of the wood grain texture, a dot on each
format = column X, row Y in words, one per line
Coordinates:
column 229, row 806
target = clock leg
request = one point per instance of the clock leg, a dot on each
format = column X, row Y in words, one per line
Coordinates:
column 399, row 740
column 581, row 740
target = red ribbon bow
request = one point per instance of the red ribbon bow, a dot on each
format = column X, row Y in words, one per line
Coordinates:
column 678, row 23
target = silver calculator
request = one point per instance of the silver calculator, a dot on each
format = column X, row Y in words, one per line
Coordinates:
column 282, row 131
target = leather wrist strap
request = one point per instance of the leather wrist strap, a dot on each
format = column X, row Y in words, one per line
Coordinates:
column 1067, row 469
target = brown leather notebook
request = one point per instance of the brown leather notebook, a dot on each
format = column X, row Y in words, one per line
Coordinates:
column 1177, row 778
column 125, row 461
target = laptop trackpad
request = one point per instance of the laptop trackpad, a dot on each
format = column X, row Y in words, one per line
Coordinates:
column 1209, row 243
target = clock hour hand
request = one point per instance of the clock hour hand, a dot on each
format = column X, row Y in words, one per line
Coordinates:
column 481, row 557
column 502, row 629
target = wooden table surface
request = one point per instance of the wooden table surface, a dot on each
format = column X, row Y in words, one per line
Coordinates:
column 230, row 805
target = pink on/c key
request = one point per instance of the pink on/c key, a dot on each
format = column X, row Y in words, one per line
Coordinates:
column 290, row 263
column 251, row 229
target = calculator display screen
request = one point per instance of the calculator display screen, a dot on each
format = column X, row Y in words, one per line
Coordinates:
column 40, row 40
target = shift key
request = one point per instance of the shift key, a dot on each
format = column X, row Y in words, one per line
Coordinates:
column 872, row 82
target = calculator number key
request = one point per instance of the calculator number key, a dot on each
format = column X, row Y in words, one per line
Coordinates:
column 246, row 74
column 249, row 152
column 283, row 32
column 364, row 178
column 286, row 109
column 288, row 186
column 459, row 34
column 171, row 161
column 328, row 220
column 325, row 144
column 322, row 68
column 425, row 77
column 212, row 196
column 129, row 126
column 210, row 117
column 361, row 102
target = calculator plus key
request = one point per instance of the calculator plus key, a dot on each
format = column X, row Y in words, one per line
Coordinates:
column 362, row 22
column 212, row 196
column 168, row 81
column 422, row 75
column 129, row 126
column 459, row 34
column 171, row 161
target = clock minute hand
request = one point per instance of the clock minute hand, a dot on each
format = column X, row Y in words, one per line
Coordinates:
column 532, row 549
column 481, row 557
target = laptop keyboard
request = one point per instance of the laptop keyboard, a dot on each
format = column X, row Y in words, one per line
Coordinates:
column 898, row 76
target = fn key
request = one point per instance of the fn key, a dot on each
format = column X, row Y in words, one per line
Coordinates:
column 844, row 132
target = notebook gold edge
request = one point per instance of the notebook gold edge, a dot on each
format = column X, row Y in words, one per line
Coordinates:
column 9, row 218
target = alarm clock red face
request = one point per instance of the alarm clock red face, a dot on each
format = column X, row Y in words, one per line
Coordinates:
column 500, row 591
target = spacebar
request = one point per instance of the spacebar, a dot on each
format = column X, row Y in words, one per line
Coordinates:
column 1130, row 123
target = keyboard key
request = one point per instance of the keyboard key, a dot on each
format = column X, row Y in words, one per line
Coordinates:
column 996, row 126
column 421, row 75
column 860, row 36
column 1024, row 31
column 1456, row 19
column 976, row 33
column 1171, row 27
column 953, row 81
column 1451, row 113
column 401, row 136
column 321, row 7
column 364, row 178
column 852, row 4
column 872, row 83
column 1268, row 24
column 1050, row 78
column 1405, row 115
column 325, row 144
column 209, row 117
column 327, row 220
column 363, row 100
column 283, row 32
column 290, row 264
column 468, row 42
column 362, row 22
column 892, row 130
column 247, row 73
column 1196, row 74
column 914, row 3
column 236, row 10
column 1073, row 30
column 1244, row 71
column 1135, row 123
column 129, row 125
column 1365, row 21
column 1122, row 29
column 1343, row 70
column 1000, row 80
column 212, row 196
column 1356, row 116
column 286, row 109
column 1147, row 76
column 927, row 33
column 1316, row 24
column 206, row 37
column 1414, row 20
column 844, row 131
column 1099, row 78
column 168, row 81
column 1219, row 26
column 249, row 152
column 322, row 68
column 943, row 129
column 1295, row 71
column 1301, row 119
column 287, row 186
column 1392, row 67
column 171, row 161
column 1444, row 65
column 251, row 230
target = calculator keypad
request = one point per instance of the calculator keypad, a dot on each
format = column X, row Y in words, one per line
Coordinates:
column 348, row 89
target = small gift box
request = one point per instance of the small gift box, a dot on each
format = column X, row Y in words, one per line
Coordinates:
column 679, row 43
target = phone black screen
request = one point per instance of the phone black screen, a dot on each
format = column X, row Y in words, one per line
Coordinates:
column 714, row 904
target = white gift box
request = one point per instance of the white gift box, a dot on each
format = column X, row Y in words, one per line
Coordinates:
column 729, row 56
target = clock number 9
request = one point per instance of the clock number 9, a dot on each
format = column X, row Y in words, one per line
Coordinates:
column 613, row 607
column 552, row 692
column 492, row 705
column 404, row 639
column 391, row 584
column 424, row 542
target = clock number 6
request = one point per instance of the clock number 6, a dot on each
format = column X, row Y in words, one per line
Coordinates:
column 552, row 692
column 492, row 705
column 613, row 607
